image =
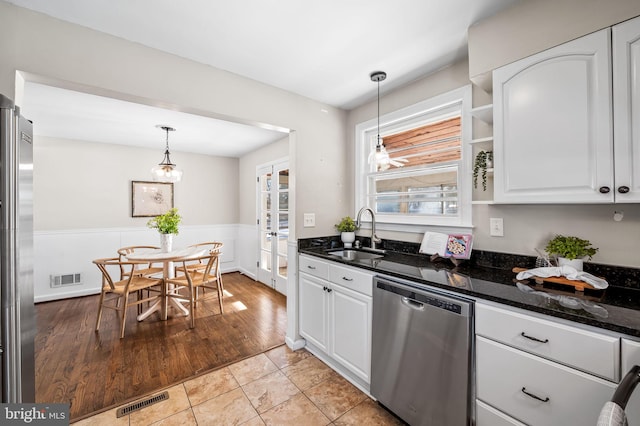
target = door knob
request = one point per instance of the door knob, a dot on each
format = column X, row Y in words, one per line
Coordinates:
column 623, row 189
column 604, row 189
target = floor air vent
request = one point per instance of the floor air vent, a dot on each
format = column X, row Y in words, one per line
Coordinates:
column 123, row 411
column 65, row 279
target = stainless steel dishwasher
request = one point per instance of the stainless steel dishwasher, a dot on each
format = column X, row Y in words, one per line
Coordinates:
column 421, row 361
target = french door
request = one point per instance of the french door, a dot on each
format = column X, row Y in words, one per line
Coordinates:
column 273, row 224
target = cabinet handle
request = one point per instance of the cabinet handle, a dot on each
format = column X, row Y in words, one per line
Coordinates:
column 329, row 290
column 311, row 267
column 347, row 279
column 533, row 338
column 604, row 189
column 623, row 189
column 524, row 390
column 324, row 288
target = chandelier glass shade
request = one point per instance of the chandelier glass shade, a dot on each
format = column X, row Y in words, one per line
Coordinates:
column 166, row 171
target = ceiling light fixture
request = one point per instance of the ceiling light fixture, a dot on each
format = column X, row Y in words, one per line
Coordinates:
column 166, row 171
column 380, row 155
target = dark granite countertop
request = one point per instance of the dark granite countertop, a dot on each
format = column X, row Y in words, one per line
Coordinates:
column 488, row 276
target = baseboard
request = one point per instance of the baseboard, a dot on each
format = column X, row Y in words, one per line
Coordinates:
column 68, row 295
column 248, row 273
column 294, row 345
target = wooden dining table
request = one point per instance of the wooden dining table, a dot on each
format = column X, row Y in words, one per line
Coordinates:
column 168, row 271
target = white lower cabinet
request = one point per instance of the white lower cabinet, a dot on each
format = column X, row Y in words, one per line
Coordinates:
column 538, row 371
column 335, row 313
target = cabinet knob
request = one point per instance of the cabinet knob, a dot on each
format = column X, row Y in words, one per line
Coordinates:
column 604, row 189
column 623, row 189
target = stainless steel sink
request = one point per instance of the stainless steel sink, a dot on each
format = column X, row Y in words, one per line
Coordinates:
column 355, row 255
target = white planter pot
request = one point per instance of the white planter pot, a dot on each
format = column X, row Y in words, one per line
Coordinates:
column 348, row 238
column 578, row 264
column 166, row 242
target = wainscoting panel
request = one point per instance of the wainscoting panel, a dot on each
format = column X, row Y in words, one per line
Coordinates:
column 70, row 252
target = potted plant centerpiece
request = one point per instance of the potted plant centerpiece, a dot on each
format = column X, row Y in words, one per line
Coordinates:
column 347, row 228
column 570, row 250
column 482, row 162
column 167, row 226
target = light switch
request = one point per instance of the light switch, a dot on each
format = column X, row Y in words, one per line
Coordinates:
column 496, row 227
column 309, row 220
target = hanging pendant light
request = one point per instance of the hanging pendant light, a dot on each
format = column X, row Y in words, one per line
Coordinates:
column 379, row 156
column 166, row 171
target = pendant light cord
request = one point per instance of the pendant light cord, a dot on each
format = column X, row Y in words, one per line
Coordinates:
column 378, row 140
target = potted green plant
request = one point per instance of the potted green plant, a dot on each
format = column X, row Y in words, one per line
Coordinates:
column 570, row 250
column 347, row 228
column 482, row 162
column 167, row 226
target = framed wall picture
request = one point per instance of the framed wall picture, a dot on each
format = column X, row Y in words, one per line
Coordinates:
column 150, row 198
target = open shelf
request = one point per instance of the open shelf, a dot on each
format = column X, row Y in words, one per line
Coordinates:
column 481, row 140
column 484, row 113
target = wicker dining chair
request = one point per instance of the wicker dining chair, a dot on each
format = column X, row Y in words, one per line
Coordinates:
column 213, row 247
column 122, row 289
column 193, row 279
column 143, row 269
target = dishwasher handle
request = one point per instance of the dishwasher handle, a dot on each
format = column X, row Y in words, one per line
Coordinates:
column 413, row 304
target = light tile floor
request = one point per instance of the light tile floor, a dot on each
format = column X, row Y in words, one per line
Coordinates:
column 278, row 387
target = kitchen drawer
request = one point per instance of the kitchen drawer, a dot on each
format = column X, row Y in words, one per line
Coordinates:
column 589, row 351
column 315, row 267
column 486, row 415
column 504, row 374
column 352, row 279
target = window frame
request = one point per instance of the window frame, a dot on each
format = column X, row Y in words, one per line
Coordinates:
column 415, row 115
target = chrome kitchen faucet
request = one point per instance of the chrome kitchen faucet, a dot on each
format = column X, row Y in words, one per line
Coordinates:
column 374, row 237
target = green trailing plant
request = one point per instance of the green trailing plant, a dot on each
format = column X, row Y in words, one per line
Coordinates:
column 570, row 247
column 166, row 223
column 480, row 167
column 346, row 225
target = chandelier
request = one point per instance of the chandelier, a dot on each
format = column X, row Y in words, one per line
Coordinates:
column 166, row 171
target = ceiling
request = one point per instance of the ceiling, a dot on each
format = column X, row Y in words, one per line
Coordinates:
column 323, row 50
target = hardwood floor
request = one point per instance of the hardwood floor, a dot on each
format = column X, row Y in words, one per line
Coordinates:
column 93, row 371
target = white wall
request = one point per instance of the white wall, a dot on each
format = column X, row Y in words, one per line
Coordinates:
column 80, row 184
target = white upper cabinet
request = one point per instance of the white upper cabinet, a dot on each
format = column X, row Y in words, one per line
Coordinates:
column 626, row 110
column 553, row 138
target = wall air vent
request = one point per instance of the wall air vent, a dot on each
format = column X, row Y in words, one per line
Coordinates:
column 65, row 280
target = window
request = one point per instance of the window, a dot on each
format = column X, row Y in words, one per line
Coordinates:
column 428, row 180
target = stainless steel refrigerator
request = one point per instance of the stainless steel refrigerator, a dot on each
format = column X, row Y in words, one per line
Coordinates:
column 17, row 319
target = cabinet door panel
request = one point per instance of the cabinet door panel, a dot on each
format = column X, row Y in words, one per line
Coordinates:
column 350, row 322
column 313, row 310
column 553, row 132
column 626, row 95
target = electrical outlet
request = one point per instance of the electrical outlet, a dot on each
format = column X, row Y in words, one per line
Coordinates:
column 496, row 227
column 309, row 220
